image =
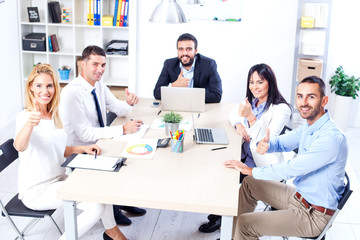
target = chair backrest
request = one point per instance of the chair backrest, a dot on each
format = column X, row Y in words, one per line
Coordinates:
column 345, row 196
column 8, row 154
column 110, row 117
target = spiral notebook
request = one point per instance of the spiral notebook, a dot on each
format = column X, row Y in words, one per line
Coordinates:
column 103, row 163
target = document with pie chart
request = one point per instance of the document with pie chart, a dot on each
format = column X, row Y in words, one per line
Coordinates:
column 141, row 148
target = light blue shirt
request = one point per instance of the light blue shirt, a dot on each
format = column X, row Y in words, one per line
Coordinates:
column 318, row 168
column 189, row 74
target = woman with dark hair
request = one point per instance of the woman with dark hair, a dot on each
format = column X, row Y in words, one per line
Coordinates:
column 264, row 108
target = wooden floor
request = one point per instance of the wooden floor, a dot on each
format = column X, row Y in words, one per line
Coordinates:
column 172, row 225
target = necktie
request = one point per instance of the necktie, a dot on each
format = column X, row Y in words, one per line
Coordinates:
column 97, row 108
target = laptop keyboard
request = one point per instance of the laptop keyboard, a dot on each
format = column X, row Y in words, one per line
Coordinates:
column 205, row 135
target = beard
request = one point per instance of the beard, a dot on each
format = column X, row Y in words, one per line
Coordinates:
column 191, row 61
column 313, row 114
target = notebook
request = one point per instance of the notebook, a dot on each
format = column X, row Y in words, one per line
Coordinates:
column 183, row 99
column 210, row 135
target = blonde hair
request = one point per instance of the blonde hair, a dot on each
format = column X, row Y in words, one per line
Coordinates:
column 53, row 105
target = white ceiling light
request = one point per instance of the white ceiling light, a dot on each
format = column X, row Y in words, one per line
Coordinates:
column 168, row 11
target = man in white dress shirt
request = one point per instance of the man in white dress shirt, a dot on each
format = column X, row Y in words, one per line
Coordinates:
column 83, row 106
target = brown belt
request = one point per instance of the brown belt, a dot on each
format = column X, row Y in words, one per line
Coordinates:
column 308, row 205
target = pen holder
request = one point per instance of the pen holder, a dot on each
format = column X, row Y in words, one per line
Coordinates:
column 177, row 146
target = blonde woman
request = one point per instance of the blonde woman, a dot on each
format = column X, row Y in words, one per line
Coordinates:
column 41, row 143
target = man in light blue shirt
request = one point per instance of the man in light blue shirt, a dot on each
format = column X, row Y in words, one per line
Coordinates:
column 319, row 170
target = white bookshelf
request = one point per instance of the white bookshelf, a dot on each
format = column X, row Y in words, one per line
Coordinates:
column 321, row 33
column 75, row 36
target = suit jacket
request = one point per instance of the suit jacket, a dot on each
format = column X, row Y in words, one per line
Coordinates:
column 205, row 76
column 275, row 118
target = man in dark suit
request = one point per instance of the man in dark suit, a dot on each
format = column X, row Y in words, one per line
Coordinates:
column 190, row 69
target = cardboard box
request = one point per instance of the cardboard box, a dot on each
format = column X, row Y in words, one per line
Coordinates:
column 34, row 42
column 309, row 67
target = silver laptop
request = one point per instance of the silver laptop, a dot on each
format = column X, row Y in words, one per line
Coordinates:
column 183, row 99
column 209, row 135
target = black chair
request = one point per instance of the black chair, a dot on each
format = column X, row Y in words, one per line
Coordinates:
column 110, row 117
column 345, row 196
column 15, row 207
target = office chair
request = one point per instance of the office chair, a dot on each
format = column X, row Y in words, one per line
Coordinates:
column 345, row 196
column 15, row 207
column 110, row 117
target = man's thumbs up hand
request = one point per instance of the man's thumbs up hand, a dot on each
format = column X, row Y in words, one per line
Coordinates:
column 263, row 145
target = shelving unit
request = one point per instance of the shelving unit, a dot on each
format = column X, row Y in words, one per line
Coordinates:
column 75, row 36
column 320, row 33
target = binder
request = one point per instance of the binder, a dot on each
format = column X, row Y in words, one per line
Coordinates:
column 50, row 45
column 115, row 12
column 97, row 13
column 90, row 16
column 125, row 24
column 54, row 42
column 102, row 163
column 118, row 13
column 121, row 23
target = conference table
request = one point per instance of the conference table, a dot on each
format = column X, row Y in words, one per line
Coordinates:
column 193, row 181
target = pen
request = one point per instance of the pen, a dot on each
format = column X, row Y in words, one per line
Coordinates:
column 219, row 148
column 198, row 115
column 95, row 153
column 159, row 112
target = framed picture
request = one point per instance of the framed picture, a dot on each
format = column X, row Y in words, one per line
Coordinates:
column 33, row 13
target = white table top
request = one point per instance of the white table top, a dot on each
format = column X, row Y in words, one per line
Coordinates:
column 195, row 180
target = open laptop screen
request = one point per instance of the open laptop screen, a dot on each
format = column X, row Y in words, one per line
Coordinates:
column 183, row 99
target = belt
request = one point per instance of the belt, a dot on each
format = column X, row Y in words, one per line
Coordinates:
column 308, row 205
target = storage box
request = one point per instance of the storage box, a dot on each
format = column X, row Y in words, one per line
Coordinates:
column 309, row 67
column 307, row 22
column 34, row 42
column 314, row 49
column 107, row 20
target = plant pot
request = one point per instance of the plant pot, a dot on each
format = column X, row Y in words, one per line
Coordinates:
column 64, row 74
column 342, row 111
column 171, row 127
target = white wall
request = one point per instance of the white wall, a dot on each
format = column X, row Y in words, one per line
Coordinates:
column 265, row 34
column 344, row 47
column 10, row 88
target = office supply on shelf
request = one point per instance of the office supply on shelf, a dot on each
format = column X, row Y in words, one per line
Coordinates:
column 125, row 23
column 34, row 42
column 50, row 45
column 183, row 99
column 65, row 15
column 121, row 23
column 89, row 15
column 209, row 135
column 158, row 123
column 54, row 43
column 141, row 148
column 33, row 13
column 118, row 13
column 115, row 12
column 55, row 12
column 86, row 161
column 118, row 47
column 97, row 13
column 107, row 20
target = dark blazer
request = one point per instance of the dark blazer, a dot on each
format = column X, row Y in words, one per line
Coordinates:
column 205, row 76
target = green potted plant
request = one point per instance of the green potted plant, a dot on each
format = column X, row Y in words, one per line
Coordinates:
column 172, row 121
column 343, row 85
column 64, row 72
column 346, row 89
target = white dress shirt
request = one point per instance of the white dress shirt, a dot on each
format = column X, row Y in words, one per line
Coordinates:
column 79, row 115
